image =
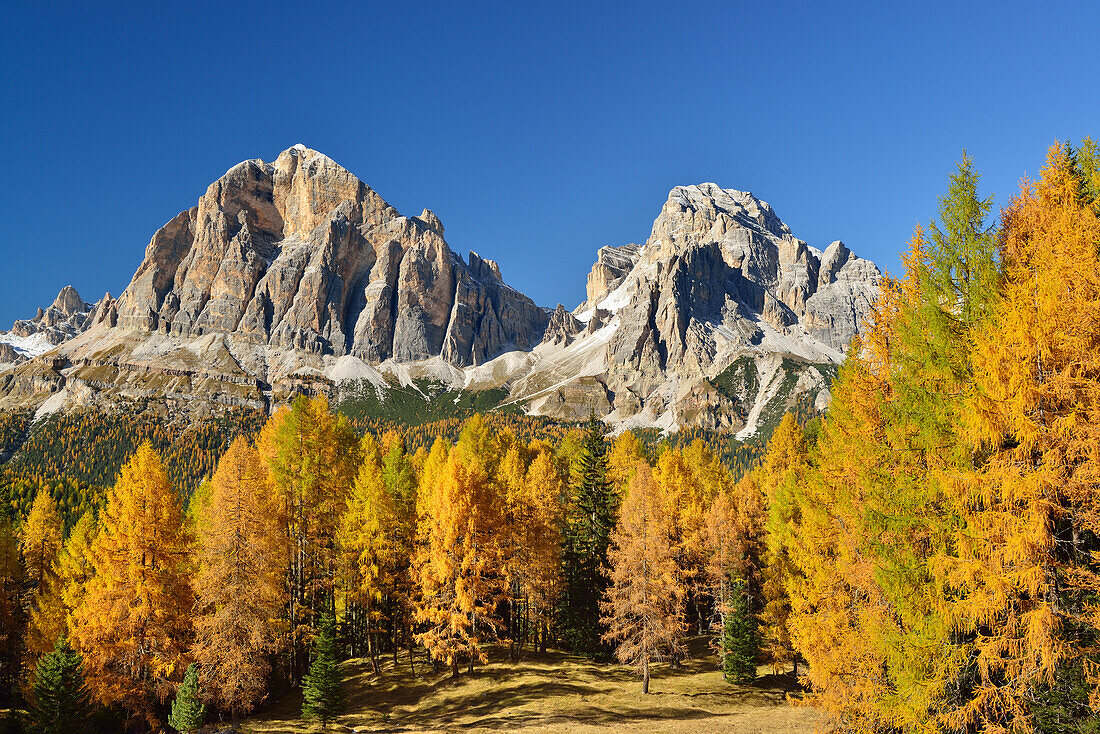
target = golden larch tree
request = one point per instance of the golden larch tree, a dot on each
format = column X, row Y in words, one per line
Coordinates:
column 41, row 544
column 400, row 477
column 511, row 481
column 62, row 591
column 734, row 540
column 312, row 456
column 1025, row 573
column 534, row 563
column 11, row 608
column 458, row 565
column 644, row 607
column 40, row 539
column 622, row 460
column 782, row 477
column 369, row 539
column 687, row 497
column 818, row 583
column 239, row 582
column 863, row 521
column 76, row 566
column 134, row 624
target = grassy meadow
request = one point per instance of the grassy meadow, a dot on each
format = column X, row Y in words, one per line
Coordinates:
column 550, row 693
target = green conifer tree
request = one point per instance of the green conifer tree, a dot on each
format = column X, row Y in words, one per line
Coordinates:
column 12, row 615
column 740, row 638
column 958, row 277
column 188, row 710
column 1088, row 161
column 60, row 702
column 322, row 686
column 593, row 506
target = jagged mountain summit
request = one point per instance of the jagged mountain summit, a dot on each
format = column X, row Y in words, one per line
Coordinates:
column 301, row 254
column 295, row 275
column 719, row 315
column 66, row 317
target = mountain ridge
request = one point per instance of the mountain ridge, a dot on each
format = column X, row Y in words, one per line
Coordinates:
column 296, row 276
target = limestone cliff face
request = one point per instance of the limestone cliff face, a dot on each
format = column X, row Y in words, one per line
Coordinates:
column 720, row 279
column 612, row 265
column 11, row 355
column 562, row 328
column 717, row 265
column 300, row 254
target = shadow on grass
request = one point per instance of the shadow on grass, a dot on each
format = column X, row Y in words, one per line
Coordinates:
column 554, row 688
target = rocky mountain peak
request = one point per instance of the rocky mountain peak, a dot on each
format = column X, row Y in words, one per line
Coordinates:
column 68, row 302
column 484, row 268
column 703, row 211
column 301, row 254
column 612, row 266
column 562, row 327
column 720, row 278
column 65, row 318
column 430, row 221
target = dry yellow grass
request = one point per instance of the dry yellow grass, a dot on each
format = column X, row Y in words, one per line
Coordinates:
column 553, row 693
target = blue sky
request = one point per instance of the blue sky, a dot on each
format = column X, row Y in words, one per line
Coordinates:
column 536, row 131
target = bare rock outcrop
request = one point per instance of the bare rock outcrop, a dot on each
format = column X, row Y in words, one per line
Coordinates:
column 300, row 254
column 65, row 318
column 9, row 354
column 562, row 328
column 612, row 265
column 720, row 278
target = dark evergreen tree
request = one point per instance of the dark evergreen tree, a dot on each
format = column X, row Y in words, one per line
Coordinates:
column 1088, row 160
column 188, row 710
column 1077, row 174
column 740, row 638
column 60, row 702
column 12, row 615
column 12, row 722
column 322, row 690
column 593, row 506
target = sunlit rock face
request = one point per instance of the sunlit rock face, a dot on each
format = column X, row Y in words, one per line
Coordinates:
column 301, row 254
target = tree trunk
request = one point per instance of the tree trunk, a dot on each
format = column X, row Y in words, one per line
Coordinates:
column 645, row 675
column 234, row 721
column 526, row 620
column 395, row 644
column 473, row 631
column 513, row 652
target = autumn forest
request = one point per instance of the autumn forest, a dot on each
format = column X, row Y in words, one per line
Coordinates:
column 923, row 556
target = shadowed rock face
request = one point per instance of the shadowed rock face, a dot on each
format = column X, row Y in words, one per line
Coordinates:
column 562, row 327
column 301, row 254
column 722, row 258
column 9, row 355
column 720, row 277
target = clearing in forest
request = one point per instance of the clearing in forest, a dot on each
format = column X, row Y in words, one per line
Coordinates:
column 553, row 692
